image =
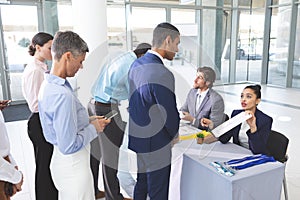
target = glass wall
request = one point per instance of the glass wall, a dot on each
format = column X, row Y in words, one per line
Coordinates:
column 185, row 21
column 65, row 16
column 142, row 29
column 296, row 63
column 17, row 33
column 250, row 45
column 116, row 26
column 279, row 44
column 207, row 32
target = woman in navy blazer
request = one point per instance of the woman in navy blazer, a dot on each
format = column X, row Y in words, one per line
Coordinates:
column 257, row 128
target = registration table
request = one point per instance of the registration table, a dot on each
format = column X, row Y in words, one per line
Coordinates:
column 192, row 177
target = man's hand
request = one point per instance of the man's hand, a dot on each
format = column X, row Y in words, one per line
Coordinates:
column 187, row 117
column 175, row 140
column 207, row 123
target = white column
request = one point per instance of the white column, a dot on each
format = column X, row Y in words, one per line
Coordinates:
column 90, row 22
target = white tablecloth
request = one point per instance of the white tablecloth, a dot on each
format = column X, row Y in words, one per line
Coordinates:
column 192, row 177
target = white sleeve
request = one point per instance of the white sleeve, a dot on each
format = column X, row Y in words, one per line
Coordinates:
column 9, row 173
column 12, row 160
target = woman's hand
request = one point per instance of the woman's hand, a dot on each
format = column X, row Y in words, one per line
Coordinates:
column 99, row 122
column 251, row 121
column 18, row 186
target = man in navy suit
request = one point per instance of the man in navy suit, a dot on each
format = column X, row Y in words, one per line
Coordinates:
column 154, row 118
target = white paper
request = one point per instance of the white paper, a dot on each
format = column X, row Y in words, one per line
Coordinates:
column 186, row 129
column 231, row 123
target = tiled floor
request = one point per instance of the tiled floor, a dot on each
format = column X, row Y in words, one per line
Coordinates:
column 282, row 104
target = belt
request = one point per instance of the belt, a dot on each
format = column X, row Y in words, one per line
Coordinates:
column 97, row 103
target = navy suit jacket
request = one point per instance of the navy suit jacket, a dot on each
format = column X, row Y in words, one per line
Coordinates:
column 258, row 140
column 153, row 115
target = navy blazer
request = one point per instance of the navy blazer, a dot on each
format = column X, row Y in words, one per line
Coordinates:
column 258, row 140
column 153, row 115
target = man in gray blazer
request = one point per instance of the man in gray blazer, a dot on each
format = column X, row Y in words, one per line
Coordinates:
column 204, row 102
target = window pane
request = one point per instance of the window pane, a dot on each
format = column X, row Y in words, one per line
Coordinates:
column 296, row 67
column 250, row 46
column 116, row 27
column 142, row 29
column 213, row 39
column 185, row 60
column 280, row 26
column 18, row 31
column 65, row 16
column 183, row 16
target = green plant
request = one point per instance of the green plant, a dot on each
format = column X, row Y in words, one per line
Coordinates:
column 200, row 135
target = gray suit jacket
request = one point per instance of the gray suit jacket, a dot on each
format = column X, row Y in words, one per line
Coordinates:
column 212, row 107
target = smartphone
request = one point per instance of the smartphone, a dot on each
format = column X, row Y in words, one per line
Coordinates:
column 8, row 103
column 111, row 114
column 5, row 102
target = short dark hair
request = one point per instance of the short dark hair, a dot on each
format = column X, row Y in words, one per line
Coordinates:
column 40, row 39
column 141, row 49
column 256, row 89
column 209, row 74
column 68, row 41
column 162, row 31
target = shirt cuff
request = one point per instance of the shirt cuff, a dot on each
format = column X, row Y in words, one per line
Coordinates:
column 9, row 173
column 193, row 122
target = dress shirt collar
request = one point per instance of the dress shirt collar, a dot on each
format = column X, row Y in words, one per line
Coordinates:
column 203, row 94
column 157, row 54
column 51, row 78
column 133, row 54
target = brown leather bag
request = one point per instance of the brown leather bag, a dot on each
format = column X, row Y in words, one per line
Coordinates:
column 5, row 187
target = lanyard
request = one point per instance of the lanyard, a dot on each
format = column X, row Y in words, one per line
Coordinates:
column 239, row 160
column 256, row 160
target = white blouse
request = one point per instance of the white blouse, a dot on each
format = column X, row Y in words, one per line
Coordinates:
column 32, row 79
column 243, row 137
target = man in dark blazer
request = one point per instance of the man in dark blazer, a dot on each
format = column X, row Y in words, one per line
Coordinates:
column 154, row 119
column 210, row 104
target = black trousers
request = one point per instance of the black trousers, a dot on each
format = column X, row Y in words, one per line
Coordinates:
column 106, row 146
column 44, row 186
